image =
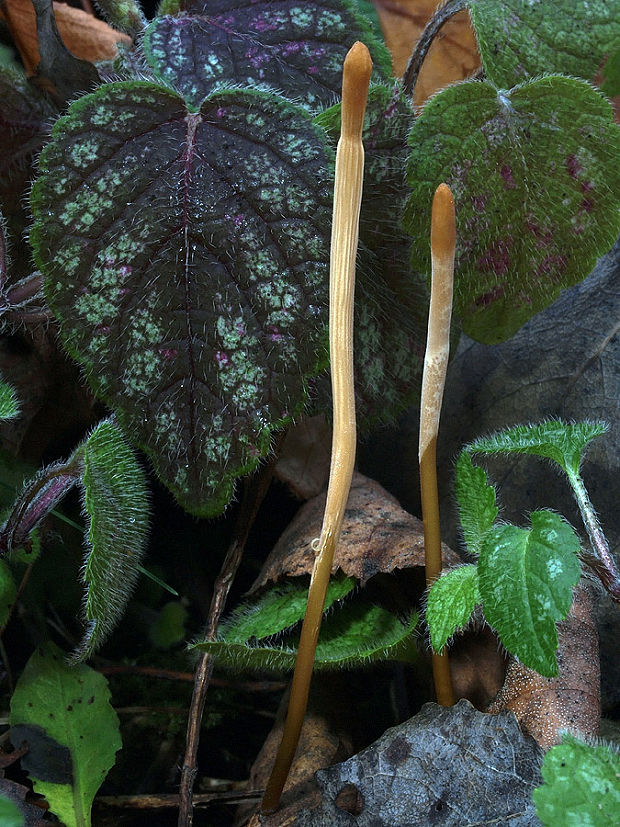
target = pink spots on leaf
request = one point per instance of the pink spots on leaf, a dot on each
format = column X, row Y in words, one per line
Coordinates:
column 169, row 353
column 222, row 359
column 102, row 328
column 238, row 219
column 490, row 296
column 544, row 237
column 274, row 334
column 573, row 167
column 509, row 181
column 313, row 70
column 587, row 205
column 264, row 24
column 552, row 267
column 220, row 112
column 479, row 202
column 124, row 270
column 496, row 259
column 240, row 328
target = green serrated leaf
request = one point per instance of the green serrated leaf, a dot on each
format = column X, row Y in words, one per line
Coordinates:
column 519, row 39
column 582, row 785
column 355, row 635
column 8, row 593
column 294, row 49
column 116, row 502
column 9, row 404
column 64, row 714
column 562, row 442
column 451, row 601
column 10, row 815
column 277, row 609
column 536, row 180
column 476, row 502
column 611, row 72
column 186, row 258
column 392, row 301
column 526, row 577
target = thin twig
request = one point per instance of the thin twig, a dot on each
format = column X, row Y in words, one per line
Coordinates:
column 443, row 237
column 349, row 177
column 253, row 495
column 173, row 675
column 431, row 30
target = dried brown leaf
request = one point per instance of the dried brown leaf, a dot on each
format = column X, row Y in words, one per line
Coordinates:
column 85, row 36
column 377, row 536
column 303, row 462
column 545, row 706
column 324, row 741
column 452, row 57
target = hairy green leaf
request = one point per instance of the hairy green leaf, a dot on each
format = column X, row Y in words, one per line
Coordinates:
column 611, row 72
column 526, row 577
column 562, row 442
column 116, row 502
column 519, row 39
column 582, row 785
column 186, row 258
column 451, row 601
column 476, row 501
column 391, row 300
column 64, row 714
column 536, row 180
column 355, row 635
column 277, row 609
column 294, row 49
column 9, row 404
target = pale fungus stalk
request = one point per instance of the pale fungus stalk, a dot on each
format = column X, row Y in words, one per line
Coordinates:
column 443, row 239
column 345, row 228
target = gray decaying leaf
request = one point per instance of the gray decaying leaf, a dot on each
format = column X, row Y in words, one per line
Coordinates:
column 447, row 765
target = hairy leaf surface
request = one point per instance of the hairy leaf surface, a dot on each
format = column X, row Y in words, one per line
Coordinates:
column 562, row 442
column 476, row 502
column 116, row 502
column 451, row 600
column 185, row 256
column 295, row 49
column 64, row 714
column 355, row 635
column 536, row 182
column 519, row 39
column 582, row 785
column 526, row 578
column 277, row 609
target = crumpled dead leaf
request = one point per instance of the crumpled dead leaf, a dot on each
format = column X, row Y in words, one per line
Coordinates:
column 84, row 35
column 445, row 766
column 377, row 536
column 452, row 57
column 303, row 460
column 324, row 740
column 545, row 706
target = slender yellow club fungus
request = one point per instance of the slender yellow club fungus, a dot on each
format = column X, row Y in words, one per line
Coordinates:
column 443, row 240
column 345, row 228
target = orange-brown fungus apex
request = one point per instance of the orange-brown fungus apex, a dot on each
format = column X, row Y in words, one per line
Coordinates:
column 443, row 224
column 355, row 79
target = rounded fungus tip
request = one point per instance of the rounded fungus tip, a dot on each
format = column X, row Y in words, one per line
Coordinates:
column 443, row 223
column 355, row 80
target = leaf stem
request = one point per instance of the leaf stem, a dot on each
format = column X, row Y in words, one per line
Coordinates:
column 431, row 30
column 348, row 182
column 601, row 561
column 443, row 240
column 254, row 493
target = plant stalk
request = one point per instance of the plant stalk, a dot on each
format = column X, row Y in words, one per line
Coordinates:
column 443, row 240
column 431, row 30
column 348, row 182
column 601, row 561
column 253, row 495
